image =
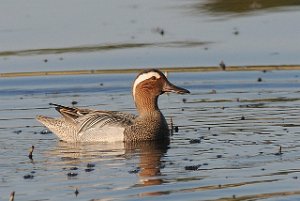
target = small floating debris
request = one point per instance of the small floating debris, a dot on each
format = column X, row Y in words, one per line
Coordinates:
column 72, row 174
column 12, row 196
column 236, row 31
column 89, row 169
column 213, row 91
column 30, row 152
column 74, row 102
column 184, row 100
column 28, row 176
column 18, row 131
column 74, row 168
column 135, row 171
column 101, row 84
column 242, row 118
column 279, row 152
column 45, row 60
column 90, row 165
column 76, row 192
column 222, row 65
column 195, row 141
column 219, row 156
column 259, row 79
column 159, row 30
column 45, row 132
column 176, row 129
column 192, row 167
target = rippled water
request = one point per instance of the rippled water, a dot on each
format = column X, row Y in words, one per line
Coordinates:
column 227, row 146
column 231, row 127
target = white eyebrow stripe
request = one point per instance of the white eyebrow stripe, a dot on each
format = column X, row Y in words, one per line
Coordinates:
column 142, row 78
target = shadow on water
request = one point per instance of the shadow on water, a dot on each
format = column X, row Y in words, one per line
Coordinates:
column 236, row 7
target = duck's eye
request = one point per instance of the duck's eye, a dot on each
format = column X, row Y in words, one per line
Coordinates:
column 153, row 78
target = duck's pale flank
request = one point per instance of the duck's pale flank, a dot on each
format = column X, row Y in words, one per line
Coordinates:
column 85, row 125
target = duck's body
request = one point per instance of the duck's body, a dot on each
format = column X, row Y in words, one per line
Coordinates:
column 84, row 125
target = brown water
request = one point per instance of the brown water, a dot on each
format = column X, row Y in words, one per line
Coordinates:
column 227, row 148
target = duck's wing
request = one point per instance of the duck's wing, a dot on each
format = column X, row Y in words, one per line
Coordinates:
column 99, row 119
column 70, row 113
column 96, row 125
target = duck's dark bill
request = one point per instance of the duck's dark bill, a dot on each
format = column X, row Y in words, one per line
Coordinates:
column 169, row 87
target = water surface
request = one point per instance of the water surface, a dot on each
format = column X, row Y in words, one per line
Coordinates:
column 227, row 146
column 237, row 133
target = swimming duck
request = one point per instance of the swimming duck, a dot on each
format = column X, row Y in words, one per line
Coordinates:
column 85, row 125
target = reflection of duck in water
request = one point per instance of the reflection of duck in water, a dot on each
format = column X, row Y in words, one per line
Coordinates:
column 77, row 153
column 84, row 125
column 150, row 153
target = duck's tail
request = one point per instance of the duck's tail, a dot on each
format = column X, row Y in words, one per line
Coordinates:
column 62, row 129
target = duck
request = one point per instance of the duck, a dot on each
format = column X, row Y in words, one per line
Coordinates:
column 88, row 125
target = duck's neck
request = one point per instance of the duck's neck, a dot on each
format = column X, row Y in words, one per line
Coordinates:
column 146, row 104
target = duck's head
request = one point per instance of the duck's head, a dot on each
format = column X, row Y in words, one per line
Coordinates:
column 152, row 83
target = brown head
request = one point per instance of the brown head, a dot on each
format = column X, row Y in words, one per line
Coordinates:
column 148, row 85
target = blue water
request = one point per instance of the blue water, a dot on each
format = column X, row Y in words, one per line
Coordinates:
column 215, row 155
column 231, row 126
